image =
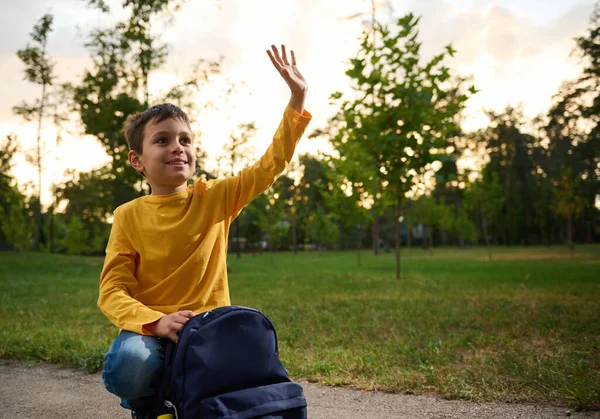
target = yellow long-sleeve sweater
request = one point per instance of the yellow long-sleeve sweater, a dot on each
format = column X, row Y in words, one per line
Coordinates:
column 168, row 252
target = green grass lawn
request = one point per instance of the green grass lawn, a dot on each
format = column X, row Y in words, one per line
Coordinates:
column 525, row 327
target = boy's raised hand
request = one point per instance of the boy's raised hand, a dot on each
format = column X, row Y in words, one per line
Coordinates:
column 288, row 71
column 168, row 326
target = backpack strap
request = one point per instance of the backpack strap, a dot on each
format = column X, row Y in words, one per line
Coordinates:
column 162, row 394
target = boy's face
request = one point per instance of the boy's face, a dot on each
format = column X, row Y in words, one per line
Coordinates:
column 168, row 159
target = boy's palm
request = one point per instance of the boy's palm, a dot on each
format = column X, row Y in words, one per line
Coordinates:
column 289, row 72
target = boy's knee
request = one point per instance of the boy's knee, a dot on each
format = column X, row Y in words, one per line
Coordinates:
column 132, row 367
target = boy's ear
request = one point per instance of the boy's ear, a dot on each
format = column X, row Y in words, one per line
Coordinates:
column 135, row 161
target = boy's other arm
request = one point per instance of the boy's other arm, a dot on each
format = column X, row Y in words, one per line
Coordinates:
column 118, row 284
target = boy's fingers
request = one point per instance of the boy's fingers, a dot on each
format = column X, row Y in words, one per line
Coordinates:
column 275, row 63
column 284, row 55
column 180, row 320
column 293, row 58
column 276, row 52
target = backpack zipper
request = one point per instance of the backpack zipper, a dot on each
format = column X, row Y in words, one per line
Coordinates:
column 171, row 406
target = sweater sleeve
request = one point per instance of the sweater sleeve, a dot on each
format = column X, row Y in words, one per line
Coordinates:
column 118, row 283
column 251, row 181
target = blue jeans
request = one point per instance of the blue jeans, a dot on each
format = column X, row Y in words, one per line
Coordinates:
column 133, row 369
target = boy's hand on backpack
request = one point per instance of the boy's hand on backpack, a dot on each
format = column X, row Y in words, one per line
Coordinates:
column 168, row 326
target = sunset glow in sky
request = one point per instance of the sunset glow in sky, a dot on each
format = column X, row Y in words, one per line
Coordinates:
column 517, row 51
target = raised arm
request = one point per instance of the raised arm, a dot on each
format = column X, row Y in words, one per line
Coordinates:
column 239, row 190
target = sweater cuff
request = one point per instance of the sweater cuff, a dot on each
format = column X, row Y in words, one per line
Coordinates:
column 303, row 118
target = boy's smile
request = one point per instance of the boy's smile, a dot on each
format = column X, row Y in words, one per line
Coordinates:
column 168, row 159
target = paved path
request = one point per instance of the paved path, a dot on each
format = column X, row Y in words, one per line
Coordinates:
column 44, row 391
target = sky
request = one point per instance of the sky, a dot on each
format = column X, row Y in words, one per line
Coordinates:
column 518, row 52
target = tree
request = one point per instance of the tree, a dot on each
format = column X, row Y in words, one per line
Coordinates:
column 15, row 227
column 268, row 210
column 486, row 199
column 310, row 193
column 320, row 229
column 427, row 212
column 401, row 114
column 90, row 196
column 573, row 131
column 345, row 207
column 8, row 149
column 76, row 241
column 510, row 151
column 235, row 151
column 569, row 202
column 147, row 53
column 38, row 70
column 117, row 86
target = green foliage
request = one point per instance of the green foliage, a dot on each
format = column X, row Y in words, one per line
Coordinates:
column 569, row 202
column 9, row 147
column 16, row 228
column 38, row 70
column 268, row 212
column 321, row 229
column 464, row 225
column 313, row 194
column 38, row 65
column 572, row 129
column 92, row 196
column 115, row 87
column 343, row 202
column 426, row 211
column 77, row 240
column 400, row 112
column 235, row 149
column 485, row 196
column 74, row 236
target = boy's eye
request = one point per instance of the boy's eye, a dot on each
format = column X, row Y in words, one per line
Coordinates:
column 162, row 140
column 186, row 140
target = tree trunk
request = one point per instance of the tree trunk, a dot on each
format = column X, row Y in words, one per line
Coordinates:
column 375, row 219
column 588, row 232
column 397, row 238
column 51, row 213
column 458, row 207
column 294, row 236
column 376, row 235
column 38, row 210
column 570, row 233
column 358, row 246
column 408, row 235
column 430, row 241
column 237, row 238
column 426, row 236
column 485, row 236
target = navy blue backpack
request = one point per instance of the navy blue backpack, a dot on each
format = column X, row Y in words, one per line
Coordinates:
column 226, row 365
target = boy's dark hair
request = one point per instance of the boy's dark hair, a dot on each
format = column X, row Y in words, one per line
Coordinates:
column 135, row 124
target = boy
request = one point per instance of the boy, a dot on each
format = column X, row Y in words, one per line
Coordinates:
column 166, row 256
